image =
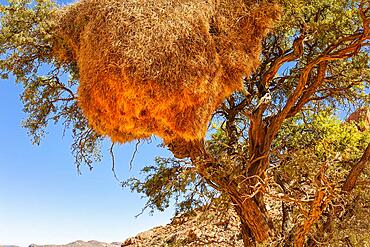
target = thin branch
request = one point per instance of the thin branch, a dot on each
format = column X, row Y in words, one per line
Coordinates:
column 61, row 99
column 113, row 163
column 134, row 154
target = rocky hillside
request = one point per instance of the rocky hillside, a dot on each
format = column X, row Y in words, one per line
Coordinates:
column 201, row 228
column 80, row 243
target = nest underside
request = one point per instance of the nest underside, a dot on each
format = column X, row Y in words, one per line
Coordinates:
column 159, row 66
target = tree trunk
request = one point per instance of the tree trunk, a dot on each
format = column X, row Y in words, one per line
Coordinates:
column 254, row 223
column 319, row 204
column 247, row 236
column 254, row 226
column 251, row 210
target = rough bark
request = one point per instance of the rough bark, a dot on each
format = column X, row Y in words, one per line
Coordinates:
column 253, row 218
column 246, row 235
column 319, row 204
column 351, row 180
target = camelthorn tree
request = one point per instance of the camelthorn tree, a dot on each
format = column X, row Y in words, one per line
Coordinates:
column 277, row 151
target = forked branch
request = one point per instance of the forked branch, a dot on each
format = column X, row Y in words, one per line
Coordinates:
column 345, row 47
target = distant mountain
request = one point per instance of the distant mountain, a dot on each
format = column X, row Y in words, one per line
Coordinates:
column 80, row 243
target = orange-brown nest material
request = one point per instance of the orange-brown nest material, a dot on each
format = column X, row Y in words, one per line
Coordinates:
column 160, row 66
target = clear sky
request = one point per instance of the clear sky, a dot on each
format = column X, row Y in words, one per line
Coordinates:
column 43, row 200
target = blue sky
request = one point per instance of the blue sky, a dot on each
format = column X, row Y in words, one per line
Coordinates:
column 44, row 200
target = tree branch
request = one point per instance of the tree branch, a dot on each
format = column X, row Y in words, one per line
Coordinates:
column 332, row 53
column 291, row 55
column 323, row 197
column 356, row 171
column 310, row 90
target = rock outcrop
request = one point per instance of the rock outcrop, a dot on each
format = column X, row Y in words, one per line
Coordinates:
column 200, row 228
column 361, row 117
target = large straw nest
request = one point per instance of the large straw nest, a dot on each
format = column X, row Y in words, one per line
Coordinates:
column 160, row 66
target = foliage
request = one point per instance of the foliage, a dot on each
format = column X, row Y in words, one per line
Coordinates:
column 173, row 179
column 301, row 151
column 49, row 95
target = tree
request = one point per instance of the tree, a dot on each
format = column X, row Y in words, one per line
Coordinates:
column 273, row 144
column 305, row 188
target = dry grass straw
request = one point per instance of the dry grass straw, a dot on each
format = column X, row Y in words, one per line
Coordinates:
column 160, row 66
